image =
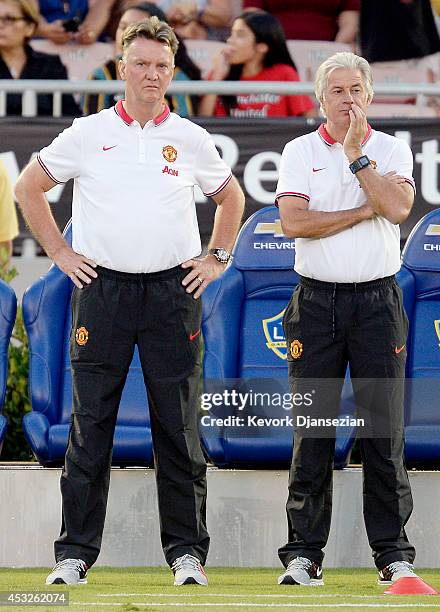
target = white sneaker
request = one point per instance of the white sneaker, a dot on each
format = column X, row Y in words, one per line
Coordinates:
column 68, row 571
column 188, row 570
column 396, row 570
column 302, row 571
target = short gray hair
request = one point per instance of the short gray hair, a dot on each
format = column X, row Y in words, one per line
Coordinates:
column 343, row 59
column 151, row 29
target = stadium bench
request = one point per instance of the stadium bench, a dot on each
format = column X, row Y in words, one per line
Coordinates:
column 8, row 310
column 419, row 278
column 47, row 317
column 245, row 348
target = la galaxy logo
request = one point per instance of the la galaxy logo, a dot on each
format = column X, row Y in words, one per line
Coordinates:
column 437, row 329
column 273, row 330
column 169, row 153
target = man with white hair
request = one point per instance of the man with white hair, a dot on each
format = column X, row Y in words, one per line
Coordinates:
column 342, row 192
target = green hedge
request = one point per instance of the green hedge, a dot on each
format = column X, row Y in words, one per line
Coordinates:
column 15, row 447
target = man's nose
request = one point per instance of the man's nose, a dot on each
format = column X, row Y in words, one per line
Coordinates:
column 151, row 73
column 348, row 97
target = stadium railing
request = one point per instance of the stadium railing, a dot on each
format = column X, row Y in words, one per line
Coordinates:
column 29, row 88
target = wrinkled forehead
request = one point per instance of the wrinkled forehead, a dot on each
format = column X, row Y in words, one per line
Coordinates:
column 344, row 77
column 10, row 6
column 149, row 50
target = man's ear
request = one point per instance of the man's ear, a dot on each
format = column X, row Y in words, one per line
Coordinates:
column 122, row 68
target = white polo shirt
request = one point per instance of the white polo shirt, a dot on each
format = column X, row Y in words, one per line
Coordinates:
column 315, row 167
column 133, row 206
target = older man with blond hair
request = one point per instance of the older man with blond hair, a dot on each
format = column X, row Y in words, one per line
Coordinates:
column 137, row 282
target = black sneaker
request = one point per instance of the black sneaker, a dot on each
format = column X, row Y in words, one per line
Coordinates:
column 392, row 572
column 302, row 571
column 68, row 571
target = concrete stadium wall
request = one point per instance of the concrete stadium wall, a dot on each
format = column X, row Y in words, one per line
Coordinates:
column 246, row 518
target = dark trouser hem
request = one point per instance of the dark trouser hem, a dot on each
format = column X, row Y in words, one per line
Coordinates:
column 383, row 560
column 286, row 556
column 179, row 551
column 73, row 552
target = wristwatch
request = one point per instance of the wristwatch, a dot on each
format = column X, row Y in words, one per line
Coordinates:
column 359, row 164
column 221, row 255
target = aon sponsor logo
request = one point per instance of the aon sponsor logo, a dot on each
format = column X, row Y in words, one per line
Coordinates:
column 168, row 170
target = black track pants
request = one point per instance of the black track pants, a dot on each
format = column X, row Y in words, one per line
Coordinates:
column 328, row 326
column 117, row 311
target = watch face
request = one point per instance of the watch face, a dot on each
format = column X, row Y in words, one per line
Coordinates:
column 221, row 254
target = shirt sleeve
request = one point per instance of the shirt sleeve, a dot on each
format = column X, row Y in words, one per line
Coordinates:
column 61, row 159
column 8, row 215
column 402, row 162
column 212, row 173
column 293, row 175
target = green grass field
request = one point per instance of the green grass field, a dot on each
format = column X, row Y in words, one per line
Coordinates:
column 229, row 589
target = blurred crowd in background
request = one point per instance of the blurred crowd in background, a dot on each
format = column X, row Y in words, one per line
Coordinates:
column 238, row 40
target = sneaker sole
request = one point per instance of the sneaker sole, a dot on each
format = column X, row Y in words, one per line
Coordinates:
column 61, row 581
column 313, row 582
column 389, row 582
column 190, row 580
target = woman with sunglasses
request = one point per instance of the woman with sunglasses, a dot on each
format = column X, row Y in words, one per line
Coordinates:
column 18, row 21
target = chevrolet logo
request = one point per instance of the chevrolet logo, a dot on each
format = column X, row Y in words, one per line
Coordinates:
column 271, row 228
column 433, row 230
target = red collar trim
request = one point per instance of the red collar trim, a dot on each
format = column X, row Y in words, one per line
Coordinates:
column 122, row 113
column 163, row 116
column 322, row 131
column 367, row 135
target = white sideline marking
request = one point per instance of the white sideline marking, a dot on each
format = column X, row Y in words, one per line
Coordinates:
column 267, row 595
column 243, row 604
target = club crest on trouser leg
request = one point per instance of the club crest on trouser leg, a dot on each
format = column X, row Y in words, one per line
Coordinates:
column 81, row 336
column 296, row 349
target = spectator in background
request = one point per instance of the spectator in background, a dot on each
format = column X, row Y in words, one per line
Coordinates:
column 185, row 69
column 255, row 51
column 397, row 30
column 8, row 217
column 18, row 20
column 80, row 21
column 200, row 19
column 314, row 19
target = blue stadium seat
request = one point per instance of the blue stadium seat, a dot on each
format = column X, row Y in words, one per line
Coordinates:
column 245, row 349
column 47, row 317
column 8, row 310
column 419, row 278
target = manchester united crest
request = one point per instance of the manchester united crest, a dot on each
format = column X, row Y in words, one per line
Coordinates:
column 296, row 349
column 169, row 153
column 81, row 336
